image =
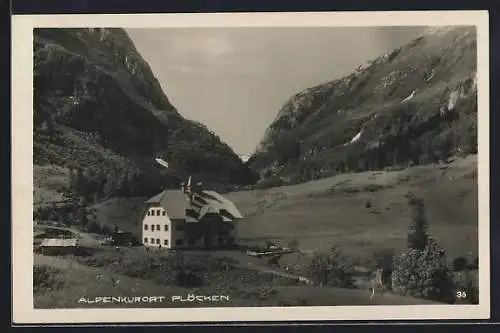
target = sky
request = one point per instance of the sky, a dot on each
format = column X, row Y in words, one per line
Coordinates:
column 235, row 80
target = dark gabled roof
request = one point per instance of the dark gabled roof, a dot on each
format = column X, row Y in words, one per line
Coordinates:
column 175, row 203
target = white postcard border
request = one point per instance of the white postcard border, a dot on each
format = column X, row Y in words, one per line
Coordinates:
column 22, row 167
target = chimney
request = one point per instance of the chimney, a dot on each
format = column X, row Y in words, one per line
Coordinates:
column 199, row 187
column 186, row 188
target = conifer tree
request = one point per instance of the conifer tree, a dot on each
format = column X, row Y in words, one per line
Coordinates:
column 417, row 231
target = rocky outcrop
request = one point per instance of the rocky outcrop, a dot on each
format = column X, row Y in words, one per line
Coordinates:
column 413, row 105
column 98, row 105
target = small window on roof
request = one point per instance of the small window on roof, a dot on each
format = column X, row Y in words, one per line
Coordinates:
column 158, row 212
column 164, row 213
column 152, row 212
column 149, row 213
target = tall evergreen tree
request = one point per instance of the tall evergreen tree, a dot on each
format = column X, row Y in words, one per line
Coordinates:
column 417, row 230
column 110, row 188
column 82, row 216
column 71, row 179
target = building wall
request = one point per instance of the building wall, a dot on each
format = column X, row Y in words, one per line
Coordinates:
column 156, row 228
column 171, row 233
column 178, row 235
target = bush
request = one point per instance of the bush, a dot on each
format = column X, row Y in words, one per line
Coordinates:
column 424, row 274
column 331, row 268
column 459, row 264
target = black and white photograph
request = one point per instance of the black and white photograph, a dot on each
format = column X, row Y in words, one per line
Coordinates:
column 258, row 170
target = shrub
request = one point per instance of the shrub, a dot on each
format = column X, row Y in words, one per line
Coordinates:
column 459, row 264
column 423, row 273
column 331, row 268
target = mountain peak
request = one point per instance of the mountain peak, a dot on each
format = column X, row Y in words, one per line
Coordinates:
column 97, row 104
column 394, row 109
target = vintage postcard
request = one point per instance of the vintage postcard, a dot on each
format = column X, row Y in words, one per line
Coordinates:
column 250, row 167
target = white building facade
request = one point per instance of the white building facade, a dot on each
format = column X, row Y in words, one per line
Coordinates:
column 174, row 220
column 157, row 228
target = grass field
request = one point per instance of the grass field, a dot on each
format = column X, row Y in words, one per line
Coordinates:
column 362, row 213
column 334, row 210
column 48, row 180
column 71, row 280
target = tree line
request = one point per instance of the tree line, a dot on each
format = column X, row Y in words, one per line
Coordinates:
column 94, row 185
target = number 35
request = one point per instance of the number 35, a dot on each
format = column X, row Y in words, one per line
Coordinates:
column 461, row 294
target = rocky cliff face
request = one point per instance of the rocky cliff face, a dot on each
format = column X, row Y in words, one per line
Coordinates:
column 416, row 104
column 98, row 106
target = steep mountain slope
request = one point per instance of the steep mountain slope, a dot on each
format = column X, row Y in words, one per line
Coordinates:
column 98, row 106
column 416, row 104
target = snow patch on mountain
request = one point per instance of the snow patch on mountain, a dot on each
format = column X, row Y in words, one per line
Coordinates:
column 409, row 97
column 453, row 99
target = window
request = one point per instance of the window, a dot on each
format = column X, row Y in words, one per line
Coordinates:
column 166, row 227
column 145, row 227
column 152, row 227
column 158, row 227
column 157, row 241
column 164, row 213
column 178, row 242
column 191, row 241
column 145, row 240
column 165, row 242
column 153, row 212
column 152, row 241
column 158, row 212
column 149, row 213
